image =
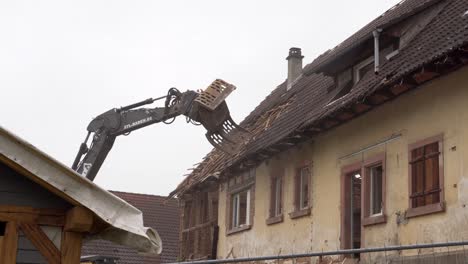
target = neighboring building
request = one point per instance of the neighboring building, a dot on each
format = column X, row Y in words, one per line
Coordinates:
column 158, row 212
column 341, row 157
column 46, row 210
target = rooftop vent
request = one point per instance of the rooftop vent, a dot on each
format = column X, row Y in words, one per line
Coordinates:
column 294, row 65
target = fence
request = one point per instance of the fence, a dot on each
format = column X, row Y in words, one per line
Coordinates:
column 441, row 253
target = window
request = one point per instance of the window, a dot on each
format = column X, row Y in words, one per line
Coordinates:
column 362, row 68
column 276, row 193
column 240, row 205
column 374, row 190
column 301, row 192
column 426, row 177
column 240, row 208
column 276, row 199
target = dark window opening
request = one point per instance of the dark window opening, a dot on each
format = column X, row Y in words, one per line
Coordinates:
column 2, row 228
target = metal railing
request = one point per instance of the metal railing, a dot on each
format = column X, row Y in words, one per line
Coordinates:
column 347, row 252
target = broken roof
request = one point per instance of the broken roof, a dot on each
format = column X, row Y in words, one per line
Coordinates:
column 313, row 110
column 158, row 211
column 125, row 222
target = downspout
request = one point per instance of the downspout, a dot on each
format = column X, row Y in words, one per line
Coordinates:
column 376, row 34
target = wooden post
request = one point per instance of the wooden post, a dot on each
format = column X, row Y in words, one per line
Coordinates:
column 10, row 244
column 71, row 247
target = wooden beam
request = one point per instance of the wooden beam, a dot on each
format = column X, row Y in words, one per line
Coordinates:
column 42, row 242
column 361, row 107
column 51, row 220
column 377, row 99
column 30, row 210
column 52, row 217
column 71, row 247
column 10, row 244
column 425, row 75
column 78, row 219
column 346, row 115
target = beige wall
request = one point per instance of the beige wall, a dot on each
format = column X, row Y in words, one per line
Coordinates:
column 438, row 107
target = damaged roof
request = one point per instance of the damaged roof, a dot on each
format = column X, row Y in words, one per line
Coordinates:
column 309, row 106
column 158, row 212
column 125, row 222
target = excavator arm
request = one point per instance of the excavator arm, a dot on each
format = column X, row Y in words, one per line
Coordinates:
column 207, row 108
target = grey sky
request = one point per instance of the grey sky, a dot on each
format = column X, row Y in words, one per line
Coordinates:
column 64, row 62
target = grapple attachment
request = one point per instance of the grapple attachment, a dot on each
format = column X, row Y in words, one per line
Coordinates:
column 223, row 133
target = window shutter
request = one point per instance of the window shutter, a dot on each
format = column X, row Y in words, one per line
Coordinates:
column 432, row 173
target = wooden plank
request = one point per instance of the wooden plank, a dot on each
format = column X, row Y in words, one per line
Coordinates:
column 71, row 247
column 40, row 240
column 79, row 219
column 10, row 244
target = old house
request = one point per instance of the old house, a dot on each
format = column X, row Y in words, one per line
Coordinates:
column 366, row 146
column 47, row 210
column 158, row 212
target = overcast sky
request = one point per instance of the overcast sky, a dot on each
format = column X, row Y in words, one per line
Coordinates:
column 64, row 62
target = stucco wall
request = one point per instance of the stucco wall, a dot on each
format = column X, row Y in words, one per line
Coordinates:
column 440, row 106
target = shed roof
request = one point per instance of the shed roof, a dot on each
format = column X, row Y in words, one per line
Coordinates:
column 125, row 221
column 308, row 105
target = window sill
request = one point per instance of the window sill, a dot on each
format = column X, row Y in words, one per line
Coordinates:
column 374, row 220
column 274, row 220
column 425, row 210
column 238, row 229
column 300, row 213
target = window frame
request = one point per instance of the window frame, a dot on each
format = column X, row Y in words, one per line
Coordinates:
column 430, row 208
column 367, row 219
column 298, row 195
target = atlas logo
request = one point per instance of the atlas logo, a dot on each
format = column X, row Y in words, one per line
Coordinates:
column 139, row 122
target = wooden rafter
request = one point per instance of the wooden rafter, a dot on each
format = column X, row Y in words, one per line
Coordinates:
column 42, row 242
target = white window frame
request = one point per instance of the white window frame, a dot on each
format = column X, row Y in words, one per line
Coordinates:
column 304, row 178
column 371, row 191
column 236, row 208
column 359, row 66
column 277, row 197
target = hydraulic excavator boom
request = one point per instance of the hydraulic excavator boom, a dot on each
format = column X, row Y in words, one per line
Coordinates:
column 207, row 108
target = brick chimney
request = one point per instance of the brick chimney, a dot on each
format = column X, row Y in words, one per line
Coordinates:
column 294, row 65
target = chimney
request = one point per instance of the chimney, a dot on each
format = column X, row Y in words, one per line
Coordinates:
column 294, row 65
